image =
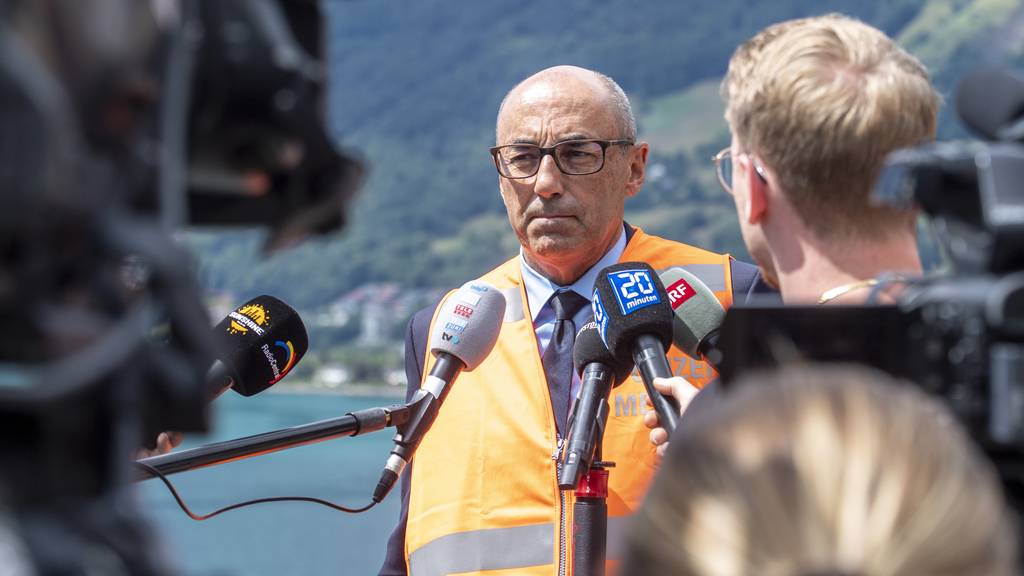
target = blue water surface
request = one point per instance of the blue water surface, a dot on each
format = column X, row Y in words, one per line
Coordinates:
column 279, row 538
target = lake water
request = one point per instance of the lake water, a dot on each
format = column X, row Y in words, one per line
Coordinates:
column 287, row 537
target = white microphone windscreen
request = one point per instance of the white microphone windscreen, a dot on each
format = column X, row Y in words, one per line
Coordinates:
column 469, row 322
column 697, row 311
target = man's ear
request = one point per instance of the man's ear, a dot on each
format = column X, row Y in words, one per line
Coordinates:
column 757, row 198
column 637, row 168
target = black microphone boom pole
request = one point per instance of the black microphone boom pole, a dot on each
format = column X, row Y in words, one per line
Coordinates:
column 351, row 424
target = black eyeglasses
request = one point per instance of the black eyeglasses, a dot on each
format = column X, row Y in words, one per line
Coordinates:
column 573, row 157
column 723, row 166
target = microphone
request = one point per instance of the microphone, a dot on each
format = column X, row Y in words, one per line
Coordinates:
column 260, row 342
column 634, row 318
column 991, row 103
column 698, row 315
column 465, row 331
column 599, row 372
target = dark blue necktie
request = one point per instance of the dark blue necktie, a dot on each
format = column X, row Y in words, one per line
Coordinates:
column 557, row 358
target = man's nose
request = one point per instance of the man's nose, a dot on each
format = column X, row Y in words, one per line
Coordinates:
column 549, row 178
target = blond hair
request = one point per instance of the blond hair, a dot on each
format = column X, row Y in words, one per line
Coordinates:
column 824, row 471
column 822, row 101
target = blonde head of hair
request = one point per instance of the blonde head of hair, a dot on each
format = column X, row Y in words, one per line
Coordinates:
column 824, row 471
column 822, row 101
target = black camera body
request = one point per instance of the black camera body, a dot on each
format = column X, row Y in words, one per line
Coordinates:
column 121, row 121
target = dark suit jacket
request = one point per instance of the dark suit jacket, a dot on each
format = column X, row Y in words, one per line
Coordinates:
column 746, row 284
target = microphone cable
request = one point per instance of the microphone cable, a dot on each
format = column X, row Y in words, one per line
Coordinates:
column 200, row 517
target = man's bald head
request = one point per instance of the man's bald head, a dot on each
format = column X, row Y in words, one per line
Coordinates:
column 565, row 222
column 618, row 103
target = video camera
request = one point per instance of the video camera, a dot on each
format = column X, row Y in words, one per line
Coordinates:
column 958, row 335
column 119, row 122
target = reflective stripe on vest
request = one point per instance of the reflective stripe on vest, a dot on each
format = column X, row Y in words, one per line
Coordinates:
column 500, row 549
column 712, row 275
column 514, row 309
column 493, row 549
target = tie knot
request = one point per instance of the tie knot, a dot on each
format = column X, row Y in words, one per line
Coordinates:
column 567, row 303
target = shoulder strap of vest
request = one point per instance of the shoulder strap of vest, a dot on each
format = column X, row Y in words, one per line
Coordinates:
column 507, row 278
column 711, row 268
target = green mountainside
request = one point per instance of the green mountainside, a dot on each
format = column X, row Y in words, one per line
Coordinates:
column 416, row 86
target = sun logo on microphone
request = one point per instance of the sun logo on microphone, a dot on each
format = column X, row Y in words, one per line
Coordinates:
column 289, row 360
column 249, row 317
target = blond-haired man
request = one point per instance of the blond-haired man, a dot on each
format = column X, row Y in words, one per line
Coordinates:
column 814, row 106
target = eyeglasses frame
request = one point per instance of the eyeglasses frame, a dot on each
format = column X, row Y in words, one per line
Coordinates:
column 550, row 150
column 726, row 153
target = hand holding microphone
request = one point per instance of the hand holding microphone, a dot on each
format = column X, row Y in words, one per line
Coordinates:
column 684, row 393
column 697, row 314
column 465, row 331
column 697, row 317
column 634, row 318
column 165, row 442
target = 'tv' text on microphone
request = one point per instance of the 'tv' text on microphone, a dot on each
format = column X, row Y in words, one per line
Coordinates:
column 465, row 332
column 634, row 318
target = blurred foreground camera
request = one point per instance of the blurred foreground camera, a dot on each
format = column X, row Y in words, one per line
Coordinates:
column 120, row 121
column 251, row 147
column 971, row 191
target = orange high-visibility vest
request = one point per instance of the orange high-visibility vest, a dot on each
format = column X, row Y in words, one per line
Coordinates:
column 484, row 494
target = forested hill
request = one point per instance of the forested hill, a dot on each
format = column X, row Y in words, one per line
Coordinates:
column 416, row 86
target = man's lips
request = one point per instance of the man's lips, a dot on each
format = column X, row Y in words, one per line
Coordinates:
column 551, row 216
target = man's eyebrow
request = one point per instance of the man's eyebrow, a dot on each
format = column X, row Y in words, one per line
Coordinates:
column 574, row 136
column 564, row 138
